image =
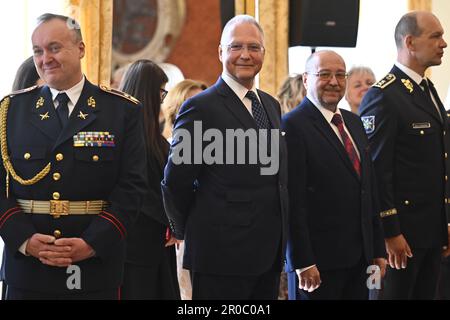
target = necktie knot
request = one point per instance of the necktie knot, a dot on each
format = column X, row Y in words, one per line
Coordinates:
column 252, row 96
column 62, row 98
column 337, row 120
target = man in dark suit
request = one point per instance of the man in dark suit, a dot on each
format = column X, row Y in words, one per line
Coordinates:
column 73, row 161
column 405, row 121
column 231, row 213
column 334, row 228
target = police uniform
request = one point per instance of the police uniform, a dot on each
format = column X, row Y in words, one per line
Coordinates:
column 407, row 133
column 84, row 180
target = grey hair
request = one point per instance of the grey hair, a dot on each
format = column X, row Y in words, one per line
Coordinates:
column 240, row 19
column 72, row 24
column 407, row 25
column 360, row 70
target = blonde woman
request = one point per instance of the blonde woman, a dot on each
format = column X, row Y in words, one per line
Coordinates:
column 359, row 81
column 175, row 98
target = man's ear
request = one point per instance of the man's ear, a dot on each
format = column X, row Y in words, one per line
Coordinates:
column 219, row 50
column 82, row 48
column 409, row 42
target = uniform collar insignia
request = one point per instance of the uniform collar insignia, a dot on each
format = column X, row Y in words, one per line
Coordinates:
column 40, row 102
column 83, row 115
column 44, row 116
column 408, row 85
column 91, row 102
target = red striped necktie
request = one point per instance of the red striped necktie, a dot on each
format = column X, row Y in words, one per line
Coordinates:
column 349, row 147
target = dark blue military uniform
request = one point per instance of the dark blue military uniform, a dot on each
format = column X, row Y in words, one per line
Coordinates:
column 409, row 148
column 111, row 168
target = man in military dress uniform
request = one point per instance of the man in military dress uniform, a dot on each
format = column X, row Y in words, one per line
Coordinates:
column 405, row 121
column 72, row 176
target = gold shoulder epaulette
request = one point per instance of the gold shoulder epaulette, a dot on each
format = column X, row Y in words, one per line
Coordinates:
column 120, row 94
column 387, row 80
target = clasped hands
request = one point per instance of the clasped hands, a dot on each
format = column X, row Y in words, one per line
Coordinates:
column 58, row 252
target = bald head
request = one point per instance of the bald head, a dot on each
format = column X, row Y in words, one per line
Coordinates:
column 238, row 20
column 324, row 78
column 419, row 40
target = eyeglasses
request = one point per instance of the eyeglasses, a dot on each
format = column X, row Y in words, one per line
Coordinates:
column 327, row 75
column 239, row 47
column 164, row 93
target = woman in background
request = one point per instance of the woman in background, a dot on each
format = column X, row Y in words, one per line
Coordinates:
column 26, row 76
column 359, row 80
column 175, row 98
column 150, row 268
column 291, row 93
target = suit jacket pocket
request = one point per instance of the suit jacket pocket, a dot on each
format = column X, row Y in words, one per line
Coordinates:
column 239, row 209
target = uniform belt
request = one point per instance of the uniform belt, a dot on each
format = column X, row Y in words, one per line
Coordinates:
column 57, row 208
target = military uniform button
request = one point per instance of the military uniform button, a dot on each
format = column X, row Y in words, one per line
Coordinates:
column 407, row 202
column 446, row 155
column 95, row 158
column 57, row 234
column 56, row 176
column 422, row 132
column 27, row 156
column 59, row 157
column 56, row 195
column 445, row 200
column 446, row 178
column 445, row 132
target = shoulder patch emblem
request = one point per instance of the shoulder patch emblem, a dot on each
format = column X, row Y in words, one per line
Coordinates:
column 368, row 123
column 387, row 80
column 120, row 94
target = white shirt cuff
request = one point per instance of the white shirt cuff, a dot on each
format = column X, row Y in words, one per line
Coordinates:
column 23, row 247
column 304, row 269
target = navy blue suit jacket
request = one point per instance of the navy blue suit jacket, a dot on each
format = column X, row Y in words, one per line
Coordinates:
column 233, row 219
column 333, row 213
column 117, row 175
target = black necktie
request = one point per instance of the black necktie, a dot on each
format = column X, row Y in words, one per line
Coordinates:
column 259, row 114
column 427, row 91
column 63, row 109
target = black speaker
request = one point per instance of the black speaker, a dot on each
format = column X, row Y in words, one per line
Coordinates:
column 323, row 23
column 226, row 11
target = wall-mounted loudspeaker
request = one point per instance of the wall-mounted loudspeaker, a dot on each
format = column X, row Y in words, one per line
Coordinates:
column 323, row 23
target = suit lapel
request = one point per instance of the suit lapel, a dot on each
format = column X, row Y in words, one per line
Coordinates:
column 325, row 129
column 44, row 115
column 274, row 118
column 82, row 115
column 235, row 105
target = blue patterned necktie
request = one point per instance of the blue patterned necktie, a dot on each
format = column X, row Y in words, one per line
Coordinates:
column 63, row 109
column 259, row 114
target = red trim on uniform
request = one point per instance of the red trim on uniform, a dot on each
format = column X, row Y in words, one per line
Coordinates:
column 119, row 294
column 168, row 234
column 116, row 220
column 8, row 214
column 117, row 227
